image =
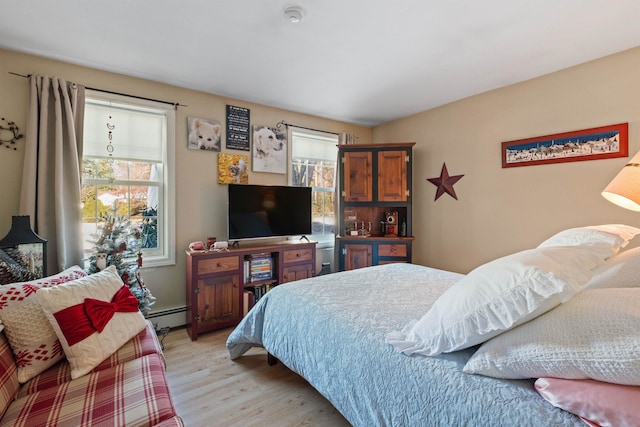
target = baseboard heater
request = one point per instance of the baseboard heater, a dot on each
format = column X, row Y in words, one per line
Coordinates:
column 170, row 318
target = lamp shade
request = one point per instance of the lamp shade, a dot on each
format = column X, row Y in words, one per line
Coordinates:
column 624, row 189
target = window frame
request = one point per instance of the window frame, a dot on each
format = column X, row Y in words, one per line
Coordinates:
column 165, row 254
column 327, row 240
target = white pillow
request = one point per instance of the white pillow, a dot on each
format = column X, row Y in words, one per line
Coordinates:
column 593, row 336
column 73, row 300
column 612, row 236
column 34, row 343
column 620, row 271
column 498, row 296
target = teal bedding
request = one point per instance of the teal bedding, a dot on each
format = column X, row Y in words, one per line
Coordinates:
column 331, row 330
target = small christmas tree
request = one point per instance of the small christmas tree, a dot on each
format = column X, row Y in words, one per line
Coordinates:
column 119, row 243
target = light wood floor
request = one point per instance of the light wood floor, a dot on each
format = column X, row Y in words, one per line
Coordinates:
column 209, row 389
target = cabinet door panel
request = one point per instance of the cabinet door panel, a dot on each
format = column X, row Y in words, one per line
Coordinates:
column 392, row 176
column 358, row 182
column 296, row 272
column 357, row 256
column 218, row 300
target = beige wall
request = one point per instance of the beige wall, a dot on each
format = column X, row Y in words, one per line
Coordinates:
column 500, row 211
column 201, row 201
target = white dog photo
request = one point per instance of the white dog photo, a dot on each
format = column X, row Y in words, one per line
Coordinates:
column 204, row 134
column 269, row 150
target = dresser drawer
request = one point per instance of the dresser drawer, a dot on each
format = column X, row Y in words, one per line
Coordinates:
column 218, row 264
column 392, row 250
column 295, row 255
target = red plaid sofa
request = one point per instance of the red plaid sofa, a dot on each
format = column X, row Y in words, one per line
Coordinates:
column 128, row 389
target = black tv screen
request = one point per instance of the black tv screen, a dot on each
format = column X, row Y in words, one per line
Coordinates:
column 261, row 211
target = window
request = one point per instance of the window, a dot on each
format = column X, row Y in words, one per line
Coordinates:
column 128, row 170
column 313, row 164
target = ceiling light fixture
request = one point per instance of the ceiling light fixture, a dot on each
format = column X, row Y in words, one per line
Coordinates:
column 293, row 14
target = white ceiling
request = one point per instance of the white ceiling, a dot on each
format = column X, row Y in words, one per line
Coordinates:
column 359, row 61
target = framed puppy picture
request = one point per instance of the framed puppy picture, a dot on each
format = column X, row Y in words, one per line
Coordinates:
column 204, row 134
column 269, row 149
column 232, row 168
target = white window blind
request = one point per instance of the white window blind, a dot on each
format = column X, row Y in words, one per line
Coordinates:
column 135, row 135
column 313, row 146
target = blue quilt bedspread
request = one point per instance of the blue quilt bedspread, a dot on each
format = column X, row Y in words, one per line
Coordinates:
column 331, row 329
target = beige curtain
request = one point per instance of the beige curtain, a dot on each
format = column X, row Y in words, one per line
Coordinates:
column 50, row 192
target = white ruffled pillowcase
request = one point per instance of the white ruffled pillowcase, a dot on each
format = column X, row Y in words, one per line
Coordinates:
column 619, row 271
column 512, row 290
column 611, row 236
column 498, row 296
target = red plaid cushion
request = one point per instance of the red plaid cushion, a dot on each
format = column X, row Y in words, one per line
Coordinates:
column 146, row 342
column 8, row 375
column 131, row 394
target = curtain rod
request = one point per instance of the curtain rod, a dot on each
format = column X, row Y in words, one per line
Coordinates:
column 175, row 104
column 282, row 122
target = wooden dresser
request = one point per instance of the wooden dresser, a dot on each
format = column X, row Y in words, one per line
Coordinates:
column 216, row 281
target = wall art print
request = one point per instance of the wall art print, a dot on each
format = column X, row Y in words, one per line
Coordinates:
column 204, row 134
column 238, row 128
column 604, row 142
column 232, row 168
column 269, row 149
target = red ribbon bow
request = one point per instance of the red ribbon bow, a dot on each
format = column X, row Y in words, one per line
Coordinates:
column 100, row 312
column 81, row 320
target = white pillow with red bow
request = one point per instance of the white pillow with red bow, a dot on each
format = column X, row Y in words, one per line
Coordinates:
column 93, row 317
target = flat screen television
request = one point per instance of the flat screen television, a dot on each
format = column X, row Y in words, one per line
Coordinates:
column 263, row 211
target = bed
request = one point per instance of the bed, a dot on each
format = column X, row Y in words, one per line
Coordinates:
column 334, row 330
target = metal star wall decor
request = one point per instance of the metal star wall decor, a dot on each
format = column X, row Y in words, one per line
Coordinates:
column 445, row 183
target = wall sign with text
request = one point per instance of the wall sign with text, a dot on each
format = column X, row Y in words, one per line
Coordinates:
column 237, row 128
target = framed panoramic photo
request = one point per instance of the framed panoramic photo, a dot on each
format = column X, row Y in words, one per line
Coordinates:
column 604, row 142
